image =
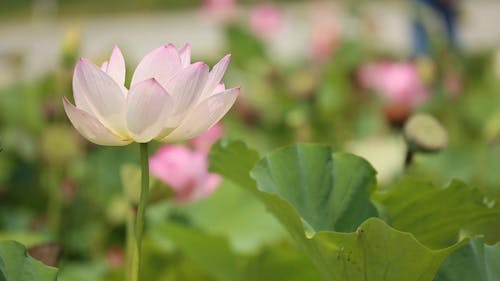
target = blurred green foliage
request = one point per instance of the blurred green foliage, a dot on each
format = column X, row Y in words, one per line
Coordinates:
column 55, row 186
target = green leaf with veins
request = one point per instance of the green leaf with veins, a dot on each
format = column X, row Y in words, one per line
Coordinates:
column 435, row 215
column 300, row 184
column 473, row 261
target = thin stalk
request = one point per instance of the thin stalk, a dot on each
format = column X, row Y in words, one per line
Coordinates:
column 54, row 202
column 131, row 246
column 141, row 210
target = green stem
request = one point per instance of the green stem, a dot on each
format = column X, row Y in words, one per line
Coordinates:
column 131, row 246
column 141, row 210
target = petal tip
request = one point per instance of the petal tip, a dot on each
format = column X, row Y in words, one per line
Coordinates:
column 83, row 61
column 80, row 62
column 226, row 59
column 234, row 91
column 170, row 46
column 199, row 65
column 116, row 50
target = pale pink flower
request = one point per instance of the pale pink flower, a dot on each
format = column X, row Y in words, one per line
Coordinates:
column 185, row 170
column 266, row 20
column 170, row 98
column 395, row 82
column 205, row 141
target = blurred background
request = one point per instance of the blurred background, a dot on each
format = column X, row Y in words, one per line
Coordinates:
column 345, row 73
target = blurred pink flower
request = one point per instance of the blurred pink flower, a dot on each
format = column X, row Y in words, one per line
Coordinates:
column 186, row 169
column 325, row 34
column 396, row 82
column 324, row 40
column 204, row 141
column 115, row 257
column 266, row 20
column 223, row 11
column 453, row 84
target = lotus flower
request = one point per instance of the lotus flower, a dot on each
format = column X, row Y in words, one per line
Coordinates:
column 169, row 99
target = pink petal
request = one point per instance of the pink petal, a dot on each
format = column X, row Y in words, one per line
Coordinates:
column 98, row 94
column 185, row 54
column 177, row 166
column 148, row 108
column 204, row 141
column 220, row 88
column 90, row 128
column 210, row 184
column 204, row 115
column 104, row 66
column 116, row 66
column 161, row 64
column 185, row 170
column 187, row 85
column 215, row 76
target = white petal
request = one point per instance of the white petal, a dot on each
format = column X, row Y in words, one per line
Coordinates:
column 98, row 94
column 215, row 76
column 187, row 85
column 104, row 67
column 185, row 54
column 90, row 128
column 148, row 108
column 161, row 64
column 204, row 116
column 116, row 66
